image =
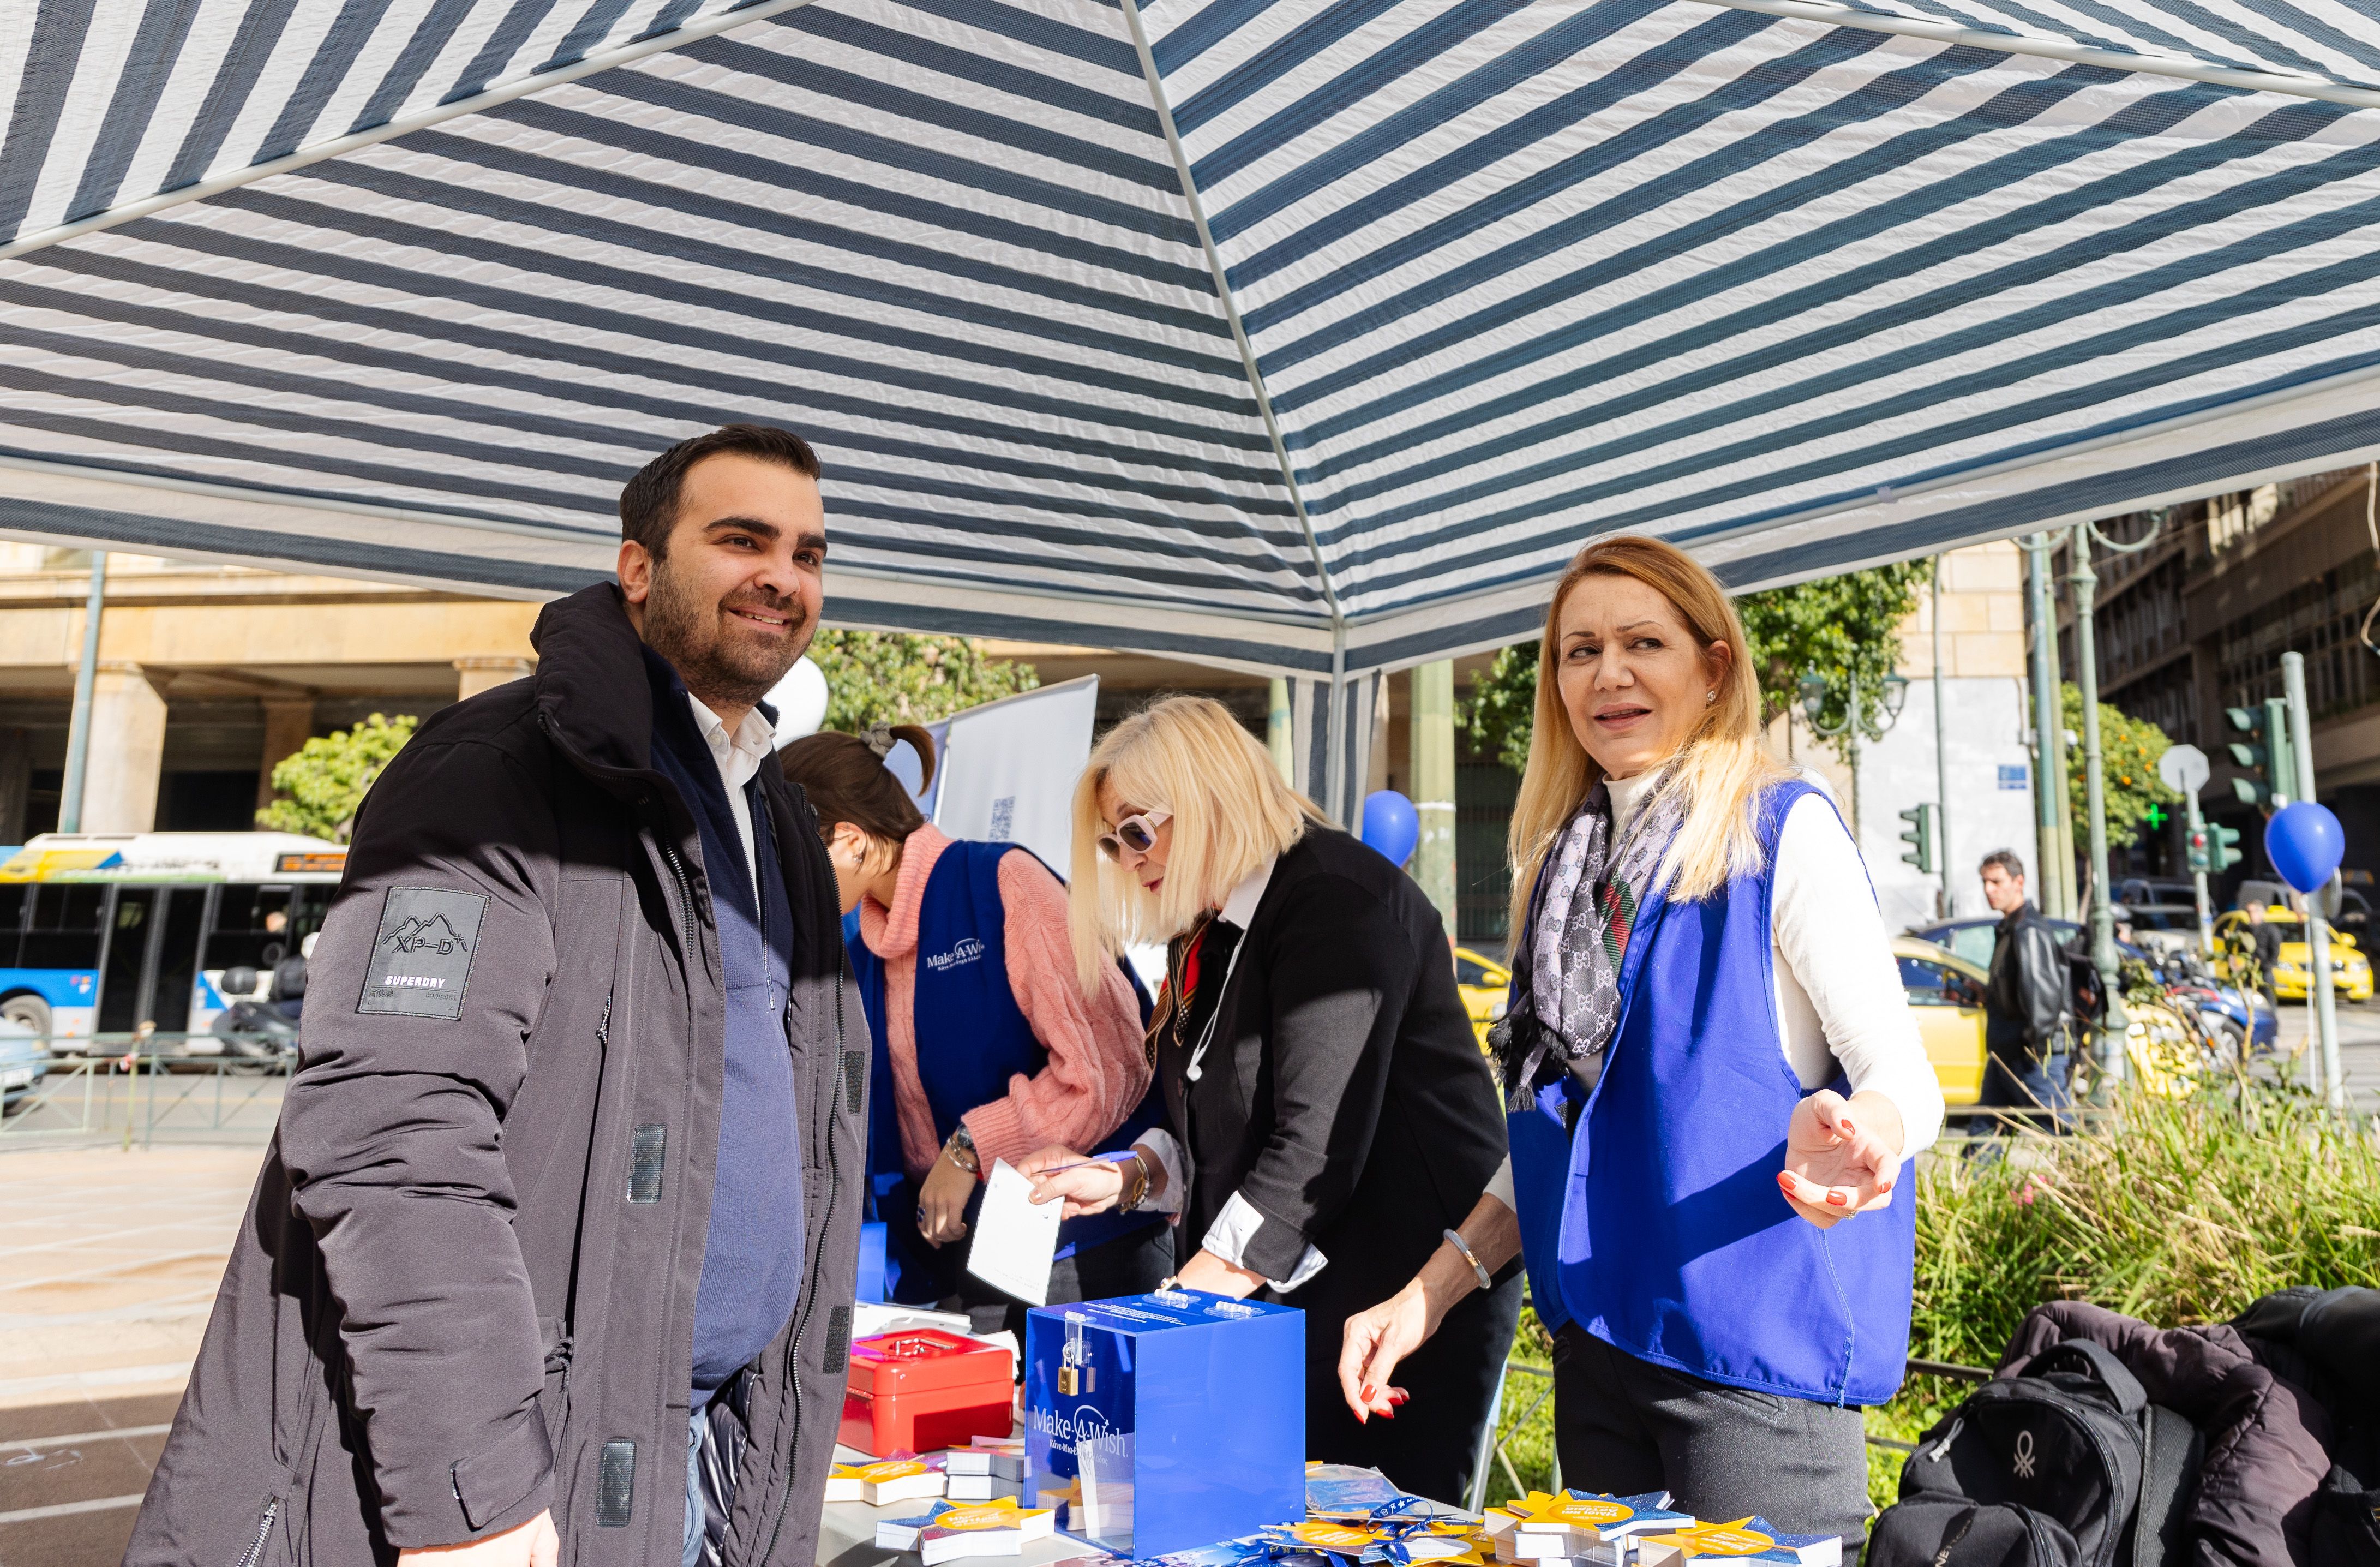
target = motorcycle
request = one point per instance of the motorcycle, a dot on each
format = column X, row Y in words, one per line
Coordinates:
column 252, row 1030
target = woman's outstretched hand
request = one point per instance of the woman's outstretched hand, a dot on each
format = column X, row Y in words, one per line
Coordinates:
column 1374, row 1343
column 1090, row 1186
column 1842, row 1156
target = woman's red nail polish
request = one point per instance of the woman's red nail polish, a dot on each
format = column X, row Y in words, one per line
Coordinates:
column 1389, row 1414
column 1837, row 1199
column 1370, row 1392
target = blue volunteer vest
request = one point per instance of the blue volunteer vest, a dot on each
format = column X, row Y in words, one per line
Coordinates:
column 972, row 1038
column 1658, row 1227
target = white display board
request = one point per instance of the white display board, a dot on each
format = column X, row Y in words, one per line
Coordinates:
column 1008, row 769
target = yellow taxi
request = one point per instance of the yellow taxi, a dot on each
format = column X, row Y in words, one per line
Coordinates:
column 1484, row 985
column 2350, row 971
column 1946, row 996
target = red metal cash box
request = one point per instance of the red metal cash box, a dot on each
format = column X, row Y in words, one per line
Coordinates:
column 923, row 1388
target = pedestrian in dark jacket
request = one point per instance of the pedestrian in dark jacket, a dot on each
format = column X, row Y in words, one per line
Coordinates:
column 563, row 1205
column 2027, row 1017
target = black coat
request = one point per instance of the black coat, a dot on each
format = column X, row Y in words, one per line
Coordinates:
column 2027, row 1005
column 1345, row 1096
column 465, row 1288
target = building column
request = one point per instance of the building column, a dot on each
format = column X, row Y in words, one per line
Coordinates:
column 288, row 724
column 483, row 674
column 128, row 751
column 1432, row 722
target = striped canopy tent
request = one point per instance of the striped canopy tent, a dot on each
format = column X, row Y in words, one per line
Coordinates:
column 1308, row 336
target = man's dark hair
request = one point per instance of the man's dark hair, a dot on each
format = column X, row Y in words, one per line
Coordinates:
column 648, row 501
column 2006, row 859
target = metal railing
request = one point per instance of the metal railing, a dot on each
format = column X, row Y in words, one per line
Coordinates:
column 140, row 1089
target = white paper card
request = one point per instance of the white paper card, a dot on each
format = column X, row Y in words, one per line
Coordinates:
column 1015, row 1238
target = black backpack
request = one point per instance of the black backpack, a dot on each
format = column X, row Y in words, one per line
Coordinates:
column 2067, row 1465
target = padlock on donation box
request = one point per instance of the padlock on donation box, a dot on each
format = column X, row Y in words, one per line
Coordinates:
column 1164, row 1421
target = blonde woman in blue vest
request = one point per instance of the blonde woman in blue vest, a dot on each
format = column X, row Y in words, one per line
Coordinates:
column 1711, row 1078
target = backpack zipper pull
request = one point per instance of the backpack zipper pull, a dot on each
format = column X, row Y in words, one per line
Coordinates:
column 1934, row 1455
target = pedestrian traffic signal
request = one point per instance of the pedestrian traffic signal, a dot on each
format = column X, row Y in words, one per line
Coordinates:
column 1919, row 836
column 2200, row 860
column 2263, row 757
column 2225, row 847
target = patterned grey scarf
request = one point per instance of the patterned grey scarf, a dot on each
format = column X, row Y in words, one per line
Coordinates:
column 1593, row 889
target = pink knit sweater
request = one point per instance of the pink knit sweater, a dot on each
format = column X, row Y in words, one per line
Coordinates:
column 1096, row 1073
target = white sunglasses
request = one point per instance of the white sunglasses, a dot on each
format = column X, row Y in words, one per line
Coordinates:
column 1138, row 833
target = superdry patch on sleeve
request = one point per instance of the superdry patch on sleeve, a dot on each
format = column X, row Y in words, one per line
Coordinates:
column 422, row 959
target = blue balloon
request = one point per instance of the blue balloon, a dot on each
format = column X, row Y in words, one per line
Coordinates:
column 1390, row 824
column 2305, row 843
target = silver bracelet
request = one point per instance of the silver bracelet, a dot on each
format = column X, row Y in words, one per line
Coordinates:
column 1455, row 1240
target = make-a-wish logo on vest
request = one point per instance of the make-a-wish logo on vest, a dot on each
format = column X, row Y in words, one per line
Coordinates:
column 968, row 950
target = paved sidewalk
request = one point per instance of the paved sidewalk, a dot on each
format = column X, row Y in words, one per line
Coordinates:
column 109, row 1262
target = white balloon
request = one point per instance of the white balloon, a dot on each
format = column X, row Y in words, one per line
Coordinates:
column 800, row 701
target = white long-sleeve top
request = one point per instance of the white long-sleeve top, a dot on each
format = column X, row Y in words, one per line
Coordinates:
column 1839, row 1001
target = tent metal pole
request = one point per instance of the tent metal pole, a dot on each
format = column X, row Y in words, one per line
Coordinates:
column 2065, row 51
column 1335, row 725
column 78, row 771
column 504, row 92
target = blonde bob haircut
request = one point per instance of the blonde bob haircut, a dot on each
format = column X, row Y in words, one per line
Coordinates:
column 1231, row 812
column 1724, row 765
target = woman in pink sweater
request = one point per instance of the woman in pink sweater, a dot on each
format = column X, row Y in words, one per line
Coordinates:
column 985, row 1046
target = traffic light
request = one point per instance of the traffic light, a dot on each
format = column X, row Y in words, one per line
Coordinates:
column 1919, row 836
column 2200, row 860
column 2264, row 756
column 2226, row 846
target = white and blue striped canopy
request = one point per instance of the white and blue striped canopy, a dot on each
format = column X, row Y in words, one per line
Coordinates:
column 1304, row 335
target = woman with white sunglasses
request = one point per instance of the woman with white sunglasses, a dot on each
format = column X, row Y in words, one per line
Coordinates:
column 1329, row 1116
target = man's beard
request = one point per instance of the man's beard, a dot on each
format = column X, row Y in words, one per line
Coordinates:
column 722, row 671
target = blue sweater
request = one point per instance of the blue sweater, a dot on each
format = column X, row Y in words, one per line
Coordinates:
column 752, row 1261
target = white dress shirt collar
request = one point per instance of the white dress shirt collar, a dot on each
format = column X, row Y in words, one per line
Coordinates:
column 1241, row 906
column 738, row 757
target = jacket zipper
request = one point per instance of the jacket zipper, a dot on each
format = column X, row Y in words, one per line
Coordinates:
column 793, row 1370
column 255, row 1551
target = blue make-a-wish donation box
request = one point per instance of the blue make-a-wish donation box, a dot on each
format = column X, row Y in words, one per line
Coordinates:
column 1165, row 1421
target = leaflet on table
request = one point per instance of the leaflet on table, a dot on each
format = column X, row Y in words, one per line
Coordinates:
column 1576, row 1526
column 1747, row 1540
column 953, row 1530
column 900, row 1478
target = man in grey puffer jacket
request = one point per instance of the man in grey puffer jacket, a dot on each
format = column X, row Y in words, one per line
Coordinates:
column 571, row 1165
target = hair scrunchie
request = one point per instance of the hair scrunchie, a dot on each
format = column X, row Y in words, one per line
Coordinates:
column 881, row 739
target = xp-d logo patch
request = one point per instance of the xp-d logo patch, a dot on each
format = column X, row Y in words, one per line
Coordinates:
column 421, row 958
column 429, row 935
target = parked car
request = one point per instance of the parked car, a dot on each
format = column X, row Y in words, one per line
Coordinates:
column 1946, row 996
column 1485, row 985
column 2350, row 971
column 1972, row 938
column 24, row 1061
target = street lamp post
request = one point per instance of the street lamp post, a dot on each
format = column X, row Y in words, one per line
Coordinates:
column 1892, row 691
column 2110, row 1052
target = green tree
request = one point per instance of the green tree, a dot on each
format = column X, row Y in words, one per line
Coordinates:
column 326, row 778
column 895, row 677
column 1837, row 627
column 2129, row 749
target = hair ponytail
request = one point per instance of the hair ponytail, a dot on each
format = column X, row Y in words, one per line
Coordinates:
column 847, row 780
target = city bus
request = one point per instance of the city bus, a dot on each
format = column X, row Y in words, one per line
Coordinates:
column 101, row 932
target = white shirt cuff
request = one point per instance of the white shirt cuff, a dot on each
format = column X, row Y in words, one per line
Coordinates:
column 1499, row 1184
column 1233, row 1228
column 1158, row 1144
